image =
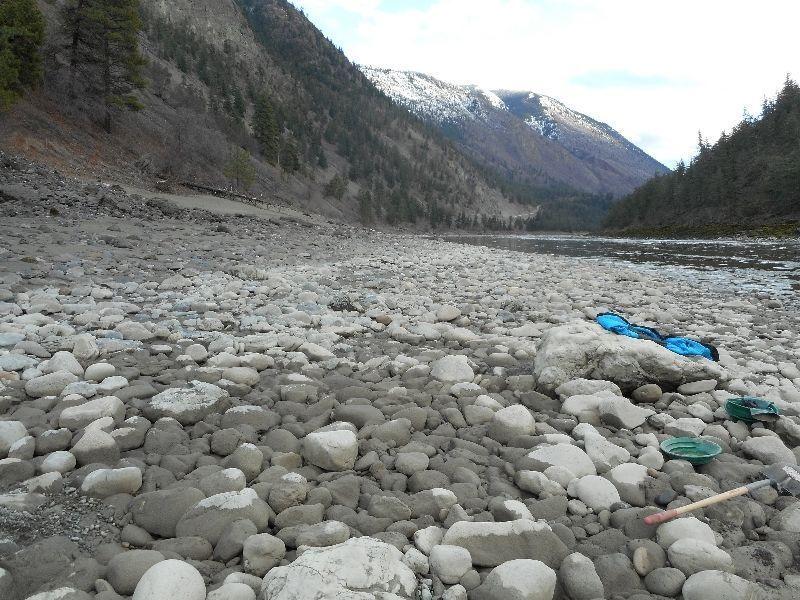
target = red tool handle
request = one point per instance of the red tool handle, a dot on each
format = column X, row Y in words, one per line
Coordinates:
column 661, row 517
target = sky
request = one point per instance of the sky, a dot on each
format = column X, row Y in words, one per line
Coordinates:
column 656, row 71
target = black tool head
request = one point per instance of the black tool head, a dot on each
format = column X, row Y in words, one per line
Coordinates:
column 785, row 478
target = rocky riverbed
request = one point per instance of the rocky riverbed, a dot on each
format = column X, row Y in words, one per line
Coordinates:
column 196, row 405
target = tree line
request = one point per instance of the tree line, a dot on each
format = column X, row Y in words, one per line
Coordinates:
column 21, row 37
column 749, row 177
column 101, row 47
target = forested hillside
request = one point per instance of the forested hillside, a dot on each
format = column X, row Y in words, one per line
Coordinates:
column 748, row 179
column 405, row 171
column 250, row 96
column 243, row 94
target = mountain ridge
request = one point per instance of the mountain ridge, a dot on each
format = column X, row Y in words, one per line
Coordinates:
column 536, row 130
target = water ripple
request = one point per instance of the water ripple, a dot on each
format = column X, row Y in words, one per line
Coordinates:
column 736, row 266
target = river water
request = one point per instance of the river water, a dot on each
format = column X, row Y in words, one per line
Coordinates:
column 746, row 267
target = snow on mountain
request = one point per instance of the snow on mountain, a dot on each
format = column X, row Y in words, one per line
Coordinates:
column 442, row 102
column 556, row 121
column 493, row 99
column 552, row 112
column 524, row 133
column 433, row 99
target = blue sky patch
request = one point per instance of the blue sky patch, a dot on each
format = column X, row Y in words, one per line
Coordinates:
column 619, row 78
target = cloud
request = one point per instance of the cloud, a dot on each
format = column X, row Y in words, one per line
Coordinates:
column 657, row 72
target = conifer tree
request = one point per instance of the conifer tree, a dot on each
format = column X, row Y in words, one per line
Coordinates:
column 365, row 211
column 240, row 170
column 21, row 36
column 75, row 17
column 104, row 51
column 290, row 157
column 322, row 160
column 336, row 187
column 265, row 130
column 237, row 103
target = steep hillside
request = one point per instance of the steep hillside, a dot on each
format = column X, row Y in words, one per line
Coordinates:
column 528, row 137
column 748, row 180
column 215, row 69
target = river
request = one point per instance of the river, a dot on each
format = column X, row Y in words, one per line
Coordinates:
column 769, row 267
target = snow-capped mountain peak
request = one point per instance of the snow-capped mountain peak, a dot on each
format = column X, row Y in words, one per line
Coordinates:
column 553, row 116
column 493, row 99
column 433, row 99
column 448, row 103
column 524, row 133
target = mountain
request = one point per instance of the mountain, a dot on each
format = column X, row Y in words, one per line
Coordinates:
column 529, row 137
column 223, row 75
column 749, row 180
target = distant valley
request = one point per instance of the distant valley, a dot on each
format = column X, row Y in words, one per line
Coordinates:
column 249, row 96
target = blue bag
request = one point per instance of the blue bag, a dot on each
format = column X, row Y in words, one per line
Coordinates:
column 679, row 345
column 690, row 347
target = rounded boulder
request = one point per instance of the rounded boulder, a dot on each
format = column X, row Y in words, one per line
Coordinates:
column 171, row 580
column 331, row 450
column 520, row 579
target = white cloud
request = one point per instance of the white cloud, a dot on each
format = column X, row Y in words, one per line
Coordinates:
column 657, row 72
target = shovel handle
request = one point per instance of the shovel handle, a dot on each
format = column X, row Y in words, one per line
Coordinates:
column 676, row 512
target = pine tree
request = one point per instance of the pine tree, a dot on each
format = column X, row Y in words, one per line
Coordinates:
column 435, row 214
column 322, row 159
column 290, row 157
column 240, row 170
column 365, row 212
column 21, row 36
column 120, row 60
column 336, row 187
column 75, row 15
column 702, row 144
column 265, row 130
column 104, row 51
column 237, row 103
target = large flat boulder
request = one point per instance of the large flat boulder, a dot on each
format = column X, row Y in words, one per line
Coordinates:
column 585, row 350
column 10, row 433
column 622, row 413
column 107, row 482
column 718, row 585
column 51, row 384
column 769, row 450
column 187, row 405
column 171, row 580
column 452, row 369
column 360, row 567
column 563, row 455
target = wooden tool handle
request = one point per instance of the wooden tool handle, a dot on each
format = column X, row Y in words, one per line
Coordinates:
column 676, row 512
